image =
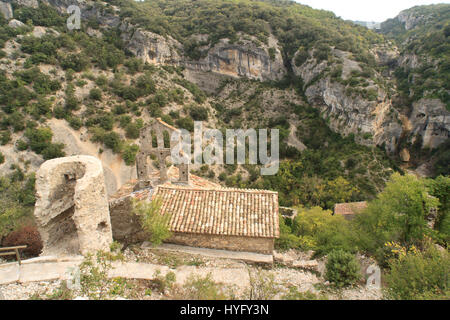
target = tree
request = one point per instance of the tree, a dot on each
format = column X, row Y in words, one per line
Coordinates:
column 397, row 214
column 440, row 188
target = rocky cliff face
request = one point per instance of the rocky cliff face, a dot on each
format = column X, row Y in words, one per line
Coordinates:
column 6, row 10
column 225, row 59
column 372, row 122
column 242, row 59
column 413, row 18
column 431, row 121
column 151, row 47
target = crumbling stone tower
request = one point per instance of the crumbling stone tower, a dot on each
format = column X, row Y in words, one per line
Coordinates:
column 162, row 132
column 72, row 209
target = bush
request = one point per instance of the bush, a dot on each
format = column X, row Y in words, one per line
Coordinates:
column 186, row 123
column 53, row 151
column 342, row 269
column 152, row 221
column 132, row 130
column 2, row 158
column 5, row 137
column 419, row 275
column 199, row 113
column 40, row 141
column 319, row 230
column 28, row 236
column 262, row 286
column 198, row 288
column 129, row 154
column 95, row 94
column 112, row 141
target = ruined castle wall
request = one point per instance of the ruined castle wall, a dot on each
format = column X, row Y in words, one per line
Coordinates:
column 72, row 209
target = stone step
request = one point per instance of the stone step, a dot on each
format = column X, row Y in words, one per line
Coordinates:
column 9, row 273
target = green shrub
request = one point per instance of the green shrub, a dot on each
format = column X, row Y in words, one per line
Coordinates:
column 198, row 113
column 5, row 137
column 129, row 154
column 40, row 141
column 2, row 158
column 287, row 241
column 185, row 123
column 155, row 224
column 113, row 141
column 21, row 145
column 202, row 288
column 440, row 188
column 76, row 62
column 419, row 276
column 75, row 122
column 132, row 130
column 262, row 285
column 342, row 269
column 134, row 65
column 319, row 230
column 16, row 201
column 95, row 94
column 52, row 151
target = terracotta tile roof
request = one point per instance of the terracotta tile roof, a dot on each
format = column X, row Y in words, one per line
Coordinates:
column 229, row 212
column 349, row 208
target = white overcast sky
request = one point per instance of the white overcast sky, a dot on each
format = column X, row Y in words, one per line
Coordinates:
column 367, row 10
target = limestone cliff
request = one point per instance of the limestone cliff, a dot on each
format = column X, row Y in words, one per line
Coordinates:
column 431, row 121
column 372, row 121
column 242, row 59
column 151, row 47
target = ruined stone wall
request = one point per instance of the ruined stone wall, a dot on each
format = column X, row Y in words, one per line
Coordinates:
column 72, row 209
column 126, row 226
column 234, row 243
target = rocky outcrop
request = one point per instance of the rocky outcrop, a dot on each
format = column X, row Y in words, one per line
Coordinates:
column 386, row 55
column 356, row 115
column 151, row 47
column 411, row 19
column 15, row 23
column 431, row 120
column 372, row 122
column 90, row 10
column 72, row 208
column 6, row 10
column 242, row 59
column 27, row 3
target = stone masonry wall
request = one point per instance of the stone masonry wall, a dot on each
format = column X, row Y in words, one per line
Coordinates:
column 234, row 243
